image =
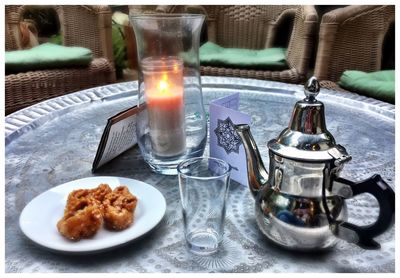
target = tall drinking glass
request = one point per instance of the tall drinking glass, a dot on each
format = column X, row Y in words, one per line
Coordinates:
column 172, row 127
column 203, row 184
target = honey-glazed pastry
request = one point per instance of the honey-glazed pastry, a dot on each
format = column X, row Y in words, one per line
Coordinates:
column 93, row 196
column 76, row 197
column 82, row 219
column 119, row 208
column 100, row 192
column 83, row 213
column 87, row 209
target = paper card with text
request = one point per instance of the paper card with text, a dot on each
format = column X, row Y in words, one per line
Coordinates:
column 225, row 143
column 118, row 136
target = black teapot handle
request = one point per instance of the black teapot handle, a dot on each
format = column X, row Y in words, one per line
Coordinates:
column 363, row 235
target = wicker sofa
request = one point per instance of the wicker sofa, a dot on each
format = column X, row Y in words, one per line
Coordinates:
column 256, row 27
column 86, row 26
column 351, row 38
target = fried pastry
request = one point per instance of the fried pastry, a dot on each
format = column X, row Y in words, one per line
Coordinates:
column 100, row 192
column 83, row 214
column 82, row 219
column 87, row 209
column 119, row 207
column 78, row 197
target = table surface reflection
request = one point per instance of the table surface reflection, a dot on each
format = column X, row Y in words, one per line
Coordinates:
column 55, row 141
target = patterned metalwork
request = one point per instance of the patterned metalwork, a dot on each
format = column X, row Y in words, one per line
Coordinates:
column 227, row 137
column 55, row 141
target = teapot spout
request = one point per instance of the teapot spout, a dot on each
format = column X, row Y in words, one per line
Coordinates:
column 256, row 172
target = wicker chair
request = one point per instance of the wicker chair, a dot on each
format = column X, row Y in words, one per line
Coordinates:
column 87, row 26
column 256, row 27
column 351, row 38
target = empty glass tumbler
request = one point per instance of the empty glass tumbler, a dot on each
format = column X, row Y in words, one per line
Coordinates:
column 204, row 184
column 172, row 126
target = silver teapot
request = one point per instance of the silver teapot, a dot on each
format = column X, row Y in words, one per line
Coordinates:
column 300, row 203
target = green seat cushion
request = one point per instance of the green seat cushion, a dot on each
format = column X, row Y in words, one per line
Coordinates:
column 212, row 54
column 46, row 56
column 379, row 84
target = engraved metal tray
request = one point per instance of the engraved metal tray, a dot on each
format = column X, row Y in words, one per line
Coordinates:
column 56, row 141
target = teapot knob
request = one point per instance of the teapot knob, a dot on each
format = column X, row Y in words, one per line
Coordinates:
column 311, row 89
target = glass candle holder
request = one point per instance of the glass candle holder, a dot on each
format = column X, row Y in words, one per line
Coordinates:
column 173, row 126
column 163, row 79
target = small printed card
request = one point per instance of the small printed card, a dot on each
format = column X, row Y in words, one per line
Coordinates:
column 119, row 135
column 225, row 143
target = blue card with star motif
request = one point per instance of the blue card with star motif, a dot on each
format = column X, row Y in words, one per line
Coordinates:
column 225, row 143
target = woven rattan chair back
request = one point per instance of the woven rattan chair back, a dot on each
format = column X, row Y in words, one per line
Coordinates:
column 351, row 38
column 242, row 26
column 256, row 27
column 86, row 26
column 77, row 28
column 12, row 19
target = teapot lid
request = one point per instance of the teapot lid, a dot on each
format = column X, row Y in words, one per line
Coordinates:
column 306, row 137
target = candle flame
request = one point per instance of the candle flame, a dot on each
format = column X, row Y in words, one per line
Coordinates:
column 163, row 87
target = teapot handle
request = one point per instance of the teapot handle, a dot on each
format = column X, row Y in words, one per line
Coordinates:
column 363, row 235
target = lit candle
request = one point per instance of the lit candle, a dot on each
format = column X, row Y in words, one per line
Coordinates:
column 163, row 86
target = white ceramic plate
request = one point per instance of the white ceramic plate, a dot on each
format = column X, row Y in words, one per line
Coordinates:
column 39, row 218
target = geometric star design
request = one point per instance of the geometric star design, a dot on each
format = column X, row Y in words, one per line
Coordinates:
column 227, row 136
